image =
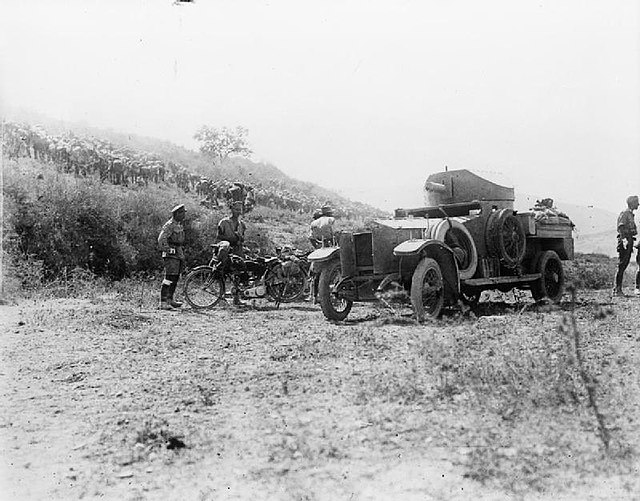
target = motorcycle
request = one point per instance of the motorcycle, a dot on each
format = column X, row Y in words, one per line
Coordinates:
column 297, row 268
column 253, row 277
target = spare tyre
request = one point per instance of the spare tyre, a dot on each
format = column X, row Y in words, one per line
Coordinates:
column 456, row 236
column 505, row 237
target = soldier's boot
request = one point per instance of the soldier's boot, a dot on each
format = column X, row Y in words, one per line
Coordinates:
column 172, row 291
column 164, row 296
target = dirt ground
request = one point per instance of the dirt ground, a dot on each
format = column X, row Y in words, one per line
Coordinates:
column 106, row 397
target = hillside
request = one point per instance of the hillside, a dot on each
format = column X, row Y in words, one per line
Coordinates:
column 235, row 169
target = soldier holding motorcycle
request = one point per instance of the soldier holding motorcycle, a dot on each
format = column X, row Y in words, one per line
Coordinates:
column 230, row 235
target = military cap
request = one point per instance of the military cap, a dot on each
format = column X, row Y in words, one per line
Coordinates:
column 178, row 208
column 327, row 210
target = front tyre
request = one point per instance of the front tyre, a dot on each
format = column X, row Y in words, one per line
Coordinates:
column 203, row 288
column 550, row 285
column 333, row 307
column 427, row 289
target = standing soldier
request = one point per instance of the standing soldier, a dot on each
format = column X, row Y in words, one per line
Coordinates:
column 170, row 242
column 627, row 232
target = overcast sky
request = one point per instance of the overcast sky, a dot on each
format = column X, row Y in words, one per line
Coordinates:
column 363, row 96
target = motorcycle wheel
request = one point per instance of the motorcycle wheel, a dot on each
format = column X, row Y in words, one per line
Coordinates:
column 284, row 288
column 203, row 288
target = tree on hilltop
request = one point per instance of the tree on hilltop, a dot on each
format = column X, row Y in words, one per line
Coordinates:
column 218, row 144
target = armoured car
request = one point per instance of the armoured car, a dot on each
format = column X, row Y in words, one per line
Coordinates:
column 466, row 239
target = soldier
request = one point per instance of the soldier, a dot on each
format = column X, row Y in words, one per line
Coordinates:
column 316, row 243
column 230, row 234
column 250, row 199
column 627, row 232
column 170, row 241
column 322, row 227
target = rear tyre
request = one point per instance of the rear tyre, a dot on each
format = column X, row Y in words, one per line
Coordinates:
column 550, row 285
column 203, row 288
column 334, row 308
column 283, row 286
column 295, row 281
column 427, row 289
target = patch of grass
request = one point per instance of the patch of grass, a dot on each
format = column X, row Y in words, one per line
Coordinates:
column 155, row 432
column 596, row 271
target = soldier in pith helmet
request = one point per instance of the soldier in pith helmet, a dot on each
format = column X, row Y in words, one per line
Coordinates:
column 170, row 241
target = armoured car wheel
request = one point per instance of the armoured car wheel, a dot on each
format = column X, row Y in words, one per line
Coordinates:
column 427, row 289
column 203, row 288
column 551, row 284
column 333, row 307
column 506, row 238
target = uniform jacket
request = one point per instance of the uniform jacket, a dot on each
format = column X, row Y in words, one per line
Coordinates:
column 626, row 225
column 172, row 237
column 231, row 231
column 322, row 228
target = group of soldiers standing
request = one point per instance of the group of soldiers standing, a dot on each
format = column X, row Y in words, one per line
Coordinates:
column 86, row 156
column 230, row 238
column 217, row 193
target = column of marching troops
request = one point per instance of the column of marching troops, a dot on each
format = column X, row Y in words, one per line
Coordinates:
column 90, row 156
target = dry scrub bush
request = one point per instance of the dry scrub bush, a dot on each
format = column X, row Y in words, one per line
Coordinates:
column 65, row 222
column 591, row 271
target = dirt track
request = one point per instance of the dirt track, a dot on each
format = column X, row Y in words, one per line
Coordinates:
column 103, row 398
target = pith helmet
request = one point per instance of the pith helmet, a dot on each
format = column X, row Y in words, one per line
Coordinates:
column 178, row 208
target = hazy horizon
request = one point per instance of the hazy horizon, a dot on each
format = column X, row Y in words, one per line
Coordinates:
column 365, row 98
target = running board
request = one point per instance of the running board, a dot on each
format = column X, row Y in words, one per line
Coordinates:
column 481, row 282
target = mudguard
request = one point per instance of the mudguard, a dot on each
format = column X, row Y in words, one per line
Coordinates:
column 324, row 254
column 413, row 247
column 441, row 253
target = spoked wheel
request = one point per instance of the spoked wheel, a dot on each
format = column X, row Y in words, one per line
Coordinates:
column 203, row 288
column 333, row 307
column 286, row 283
column 551, row 282
column 427, row 289
column 294, row 286
column 506, row 238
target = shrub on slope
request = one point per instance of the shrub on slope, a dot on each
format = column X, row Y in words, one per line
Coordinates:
column 66, row 222
column 60, row 222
